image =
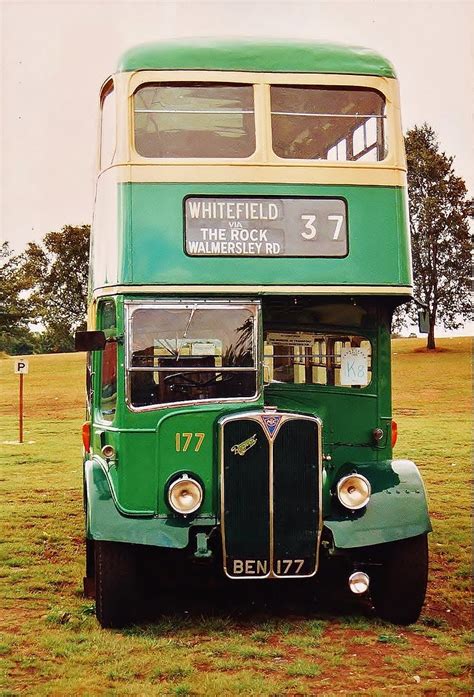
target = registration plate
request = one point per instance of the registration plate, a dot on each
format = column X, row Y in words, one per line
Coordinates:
column 261, row 567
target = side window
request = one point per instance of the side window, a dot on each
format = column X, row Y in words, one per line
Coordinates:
column 88, row 383
column 108, row 373
column 318, row 359
column 107, row 126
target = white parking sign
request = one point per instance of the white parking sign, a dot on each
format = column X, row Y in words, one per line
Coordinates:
column 21, row 366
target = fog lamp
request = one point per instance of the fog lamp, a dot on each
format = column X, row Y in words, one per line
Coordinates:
column 358, row 582
column 185, row 495
column 353, row 491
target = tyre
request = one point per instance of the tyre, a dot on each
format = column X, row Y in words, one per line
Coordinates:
column 116, row 583
column 398, row 582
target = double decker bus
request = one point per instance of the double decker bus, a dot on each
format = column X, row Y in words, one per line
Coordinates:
column 249, row 245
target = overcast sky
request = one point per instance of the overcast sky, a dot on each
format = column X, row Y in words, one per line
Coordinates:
column 55, row 56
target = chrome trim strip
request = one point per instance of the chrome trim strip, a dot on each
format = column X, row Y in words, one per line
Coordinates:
column 271, row 507
column 190, row 403
column 310, row 113
column 256, row 416
column 222, row 111
column 176, row 369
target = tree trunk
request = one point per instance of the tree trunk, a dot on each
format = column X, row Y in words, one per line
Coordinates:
column 430, row 344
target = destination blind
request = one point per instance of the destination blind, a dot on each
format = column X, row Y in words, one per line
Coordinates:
column 265, row 227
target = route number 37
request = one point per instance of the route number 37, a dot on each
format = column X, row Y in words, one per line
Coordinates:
column 310, row 231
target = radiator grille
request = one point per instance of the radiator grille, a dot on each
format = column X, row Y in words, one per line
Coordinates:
column 295, row 488
column 270, row 495
column 246, row 504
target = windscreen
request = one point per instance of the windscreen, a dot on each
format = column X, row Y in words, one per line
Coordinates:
column 191, row 353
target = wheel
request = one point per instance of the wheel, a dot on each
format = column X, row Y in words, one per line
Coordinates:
column 116, row 583
column 398, row 584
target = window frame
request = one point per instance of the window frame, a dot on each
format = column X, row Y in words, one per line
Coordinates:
column 133, row 305
column 179, row 79
column 388, row 87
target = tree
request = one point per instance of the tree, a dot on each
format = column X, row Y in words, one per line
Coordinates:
column 440, row 235
column 57, row 272
column 14, row 309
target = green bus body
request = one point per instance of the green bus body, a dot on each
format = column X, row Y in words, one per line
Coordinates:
column 140, row 264
column 150, row 212
column 145, row 443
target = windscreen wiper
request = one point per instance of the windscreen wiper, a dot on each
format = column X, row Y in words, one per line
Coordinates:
column 185, row 333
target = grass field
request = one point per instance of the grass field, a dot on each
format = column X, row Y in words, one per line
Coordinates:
column 52, row 644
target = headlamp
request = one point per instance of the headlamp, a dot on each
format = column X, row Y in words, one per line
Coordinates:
column 185, row 495
column 353, row 491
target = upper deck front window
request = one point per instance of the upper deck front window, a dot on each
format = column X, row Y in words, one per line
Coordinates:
column 186, row 120
column 328, row 123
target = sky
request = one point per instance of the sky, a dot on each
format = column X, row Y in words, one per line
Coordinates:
column 55, row 56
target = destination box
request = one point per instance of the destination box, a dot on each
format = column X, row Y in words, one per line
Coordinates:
column 265, row 227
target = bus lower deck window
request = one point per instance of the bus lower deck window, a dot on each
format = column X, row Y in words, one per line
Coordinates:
column 187, row 120
column 328, row 123
column 311, row 358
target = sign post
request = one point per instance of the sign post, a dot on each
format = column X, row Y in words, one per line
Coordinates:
column 21, row 369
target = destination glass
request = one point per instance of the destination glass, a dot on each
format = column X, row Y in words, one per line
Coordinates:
column 266, row 227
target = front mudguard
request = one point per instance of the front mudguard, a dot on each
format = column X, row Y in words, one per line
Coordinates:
column 105, row 520
column 397, row 508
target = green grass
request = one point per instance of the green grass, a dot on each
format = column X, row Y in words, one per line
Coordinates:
column 52, row 644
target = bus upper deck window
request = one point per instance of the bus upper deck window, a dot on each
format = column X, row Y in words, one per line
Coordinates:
column 328, row 123
column 194, row 120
